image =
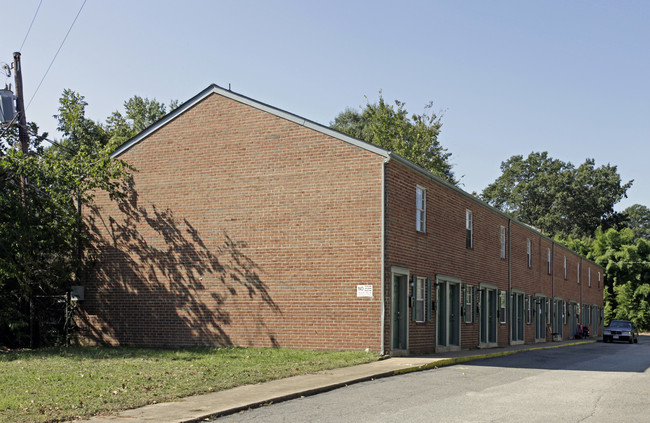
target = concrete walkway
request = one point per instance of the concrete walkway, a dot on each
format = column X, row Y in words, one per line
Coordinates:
column 200, row 407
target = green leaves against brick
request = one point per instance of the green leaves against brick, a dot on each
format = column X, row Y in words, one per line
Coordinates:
column 415, row 138
column 42, row 233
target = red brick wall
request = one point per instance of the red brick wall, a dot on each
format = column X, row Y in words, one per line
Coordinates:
column 442, row 251
column 243, row 228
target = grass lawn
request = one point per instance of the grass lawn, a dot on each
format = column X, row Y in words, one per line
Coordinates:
column 65, row 383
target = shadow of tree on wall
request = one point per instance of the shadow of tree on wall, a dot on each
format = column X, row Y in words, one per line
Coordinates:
column 156, row 282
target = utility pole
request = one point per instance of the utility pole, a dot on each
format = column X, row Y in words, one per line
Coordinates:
column 23, row 136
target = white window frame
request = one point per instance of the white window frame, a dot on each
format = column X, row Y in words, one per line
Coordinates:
column 503, row 307
column 420, row 208
column 420, row 299
column 468, row 304
column 548, row 259
column 469, row 229
column 529, row 252
column 564, row 267
column 503, row 242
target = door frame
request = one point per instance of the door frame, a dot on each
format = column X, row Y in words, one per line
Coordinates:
column 484, row 326
column 540, row 301
column 448, row 280
column 405, row 273
column 514, row 295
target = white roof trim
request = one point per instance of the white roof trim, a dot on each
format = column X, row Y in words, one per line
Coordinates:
column 215, row 89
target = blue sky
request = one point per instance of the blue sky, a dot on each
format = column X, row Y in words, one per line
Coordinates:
column 509, row 77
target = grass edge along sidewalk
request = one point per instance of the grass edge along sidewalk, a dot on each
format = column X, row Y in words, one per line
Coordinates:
column 58, row 384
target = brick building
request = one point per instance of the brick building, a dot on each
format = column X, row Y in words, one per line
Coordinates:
column 247, row 225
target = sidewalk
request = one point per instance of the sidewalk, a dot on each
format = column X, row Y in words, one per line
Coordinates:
column 200, row 407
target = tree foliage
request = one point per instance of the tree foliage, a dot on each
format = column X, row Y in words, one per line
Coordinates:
column 557, row 197
column 139, row 114
column 390, row 127
column 638, row 218
column 42, row 234
column 626, row 260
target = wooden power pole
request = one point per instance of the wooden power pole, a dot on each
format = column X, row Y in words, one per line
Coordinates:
column 23, row 136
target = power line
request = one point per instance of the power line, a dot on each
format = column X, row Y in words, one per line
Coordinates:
column 30, row 25
column 57, row 53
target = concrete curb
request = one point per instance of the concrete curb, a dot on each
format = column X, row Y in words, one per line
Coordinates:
column 210, row 406
column 458, row 360
column 330, row 387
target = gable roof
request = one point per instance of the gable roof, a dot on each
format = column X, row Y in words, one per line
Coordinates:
column 215, row 89
column 389, row 155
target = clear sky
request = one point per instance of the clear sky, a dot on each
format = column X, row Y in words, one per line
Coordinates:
column 510, row 77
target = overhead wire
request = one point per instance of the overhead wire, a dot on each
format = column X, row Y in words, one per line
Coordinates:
column 55, row 55
column 30, row 26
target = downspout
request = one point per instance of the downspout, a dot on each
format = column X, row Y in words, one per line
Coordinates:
column 382, row 350
column 582, row 306
column 509, row 275
column 553, row 287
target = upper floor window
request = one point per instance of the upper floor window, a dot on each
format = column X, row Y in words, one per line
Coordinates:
column 548, row 259
column 421, row 209
column 564, row 267
column 529, row 252
column 503, row 242
column 589, row 277
column 598, row 280
column 469, row 229
column 578, row 272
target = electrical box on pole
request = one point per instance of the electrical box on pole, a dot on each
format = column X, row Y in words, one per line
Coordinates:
column 7, row 106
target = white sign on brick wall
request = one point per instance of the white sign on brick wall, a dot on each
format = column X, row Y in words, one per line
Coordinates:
column 364, row 291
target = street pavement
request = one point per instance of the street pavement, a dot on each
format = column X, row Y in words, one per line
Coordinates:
column 201, row 407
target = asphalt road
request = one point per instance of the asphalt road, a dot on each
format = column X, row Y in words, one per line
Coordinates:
column 587, row 383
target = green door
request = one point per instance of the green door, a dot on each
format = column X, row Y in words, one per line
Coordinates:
column 448, row 314
column 399, row 312
column 488, row 316
column 573, row 319
column 540, row 318
column 517, row 318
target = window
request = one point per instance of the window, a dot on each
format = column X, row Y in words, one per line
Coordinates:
column 578, row 272
column 420, row 295
column 529, row 252
column 529, row 310
column 548, row 259
column 469, row 229
column 421, row 209
column 564, row 314
column 503, row 242
column 564, row 267
column 589, row 277
column 503, row 301
column 468, row 303
column 598, row 280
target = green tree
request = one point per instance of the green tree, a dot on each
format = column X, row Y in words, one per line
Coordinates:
column 42, row 233
column 139, row 114
column 638, row 217
column 80, row 134
column 557, row 197
column 390, row 127
column 626, row 260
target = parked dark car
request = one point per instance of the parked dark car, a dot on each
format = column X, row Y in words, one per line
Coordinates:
column 621, row 330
